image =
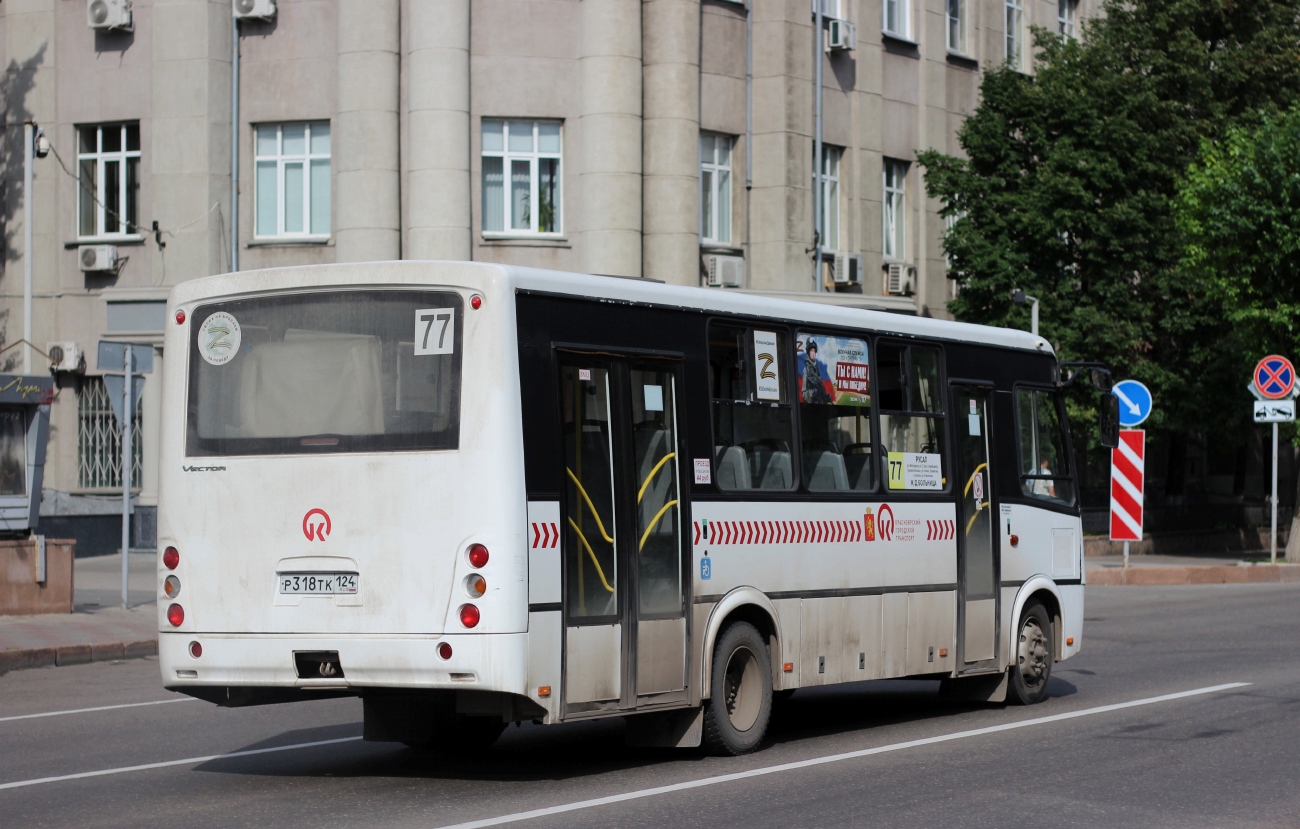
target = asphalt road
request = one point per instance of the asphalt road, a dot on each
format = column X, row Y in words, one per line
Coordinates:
column 1086, row 757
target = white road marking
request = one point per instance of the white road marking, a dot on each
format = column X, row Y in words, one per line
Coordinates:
column 833, row 758
column 676, row 787
column 186, row 762
column 97, row 708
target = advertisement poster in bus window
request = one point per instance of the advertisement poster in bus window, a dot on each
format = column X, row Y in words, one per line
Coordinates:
column 833, row 370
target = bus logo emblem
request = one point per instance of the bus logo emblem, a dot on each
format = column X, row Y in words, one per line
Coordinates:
column 886, row 523
column 318, row 530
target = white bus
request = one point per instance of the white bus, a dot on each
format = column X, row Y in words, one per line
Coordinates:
column 473, row 494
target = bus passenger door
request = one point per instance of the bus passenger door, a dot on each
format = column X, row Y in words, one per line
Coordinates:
column 621, row 530
column 977, row 558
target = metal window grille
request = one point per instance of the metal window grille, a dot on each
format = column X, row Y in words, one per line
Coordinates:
column 99, row 439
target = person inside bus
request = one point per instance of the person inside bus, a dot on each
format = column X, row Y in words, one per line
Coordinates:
column 1045, row 486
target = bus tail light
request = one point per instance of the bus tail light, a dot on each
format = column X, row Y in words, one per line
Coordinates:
column 196, row 650
column 475, row 585
column 172, row 587
column 175, row 615
column 469, row 615
column 478, row 555
column 171, row 557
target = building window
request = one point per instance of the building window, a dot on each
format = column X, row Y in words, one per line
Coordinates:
column 1067, row 15
column 1015, row 34
column 715, row 189
column 895, row 209
column 830, row 196
column 832, row 8
column 99, row 439
column 956, row 29
column 108, row 173
column 530, row 151
column 293, row 180
column 897, row 21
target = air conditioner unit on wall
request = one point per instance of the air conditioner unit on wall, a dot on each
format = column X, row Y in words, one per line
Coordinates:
column 725, row 271
column 263, row 9
column 900, row 279
column 97, row 257
column 847, row 269
column 108, row 14
column 841, row 36
column 66, row 357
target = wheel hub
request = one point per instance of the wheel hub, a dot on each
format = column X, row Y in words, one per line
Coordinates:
column 743, row 689
column 1033, row 653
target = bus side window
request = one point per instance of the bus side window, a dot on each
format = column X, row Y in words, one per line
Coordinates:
column 1044, row 464
column 752, row 411
column 833, row 380
column 911, row 418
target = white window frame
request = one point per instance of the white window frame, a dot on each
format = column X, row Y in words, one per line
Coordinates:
column 534, row 178
column 103, row 202
column 955, row 15
column 893, row 212
column 1014, row 22
column 717, row 176
column 831, row 8
column 903, row 15
column 281, row 160
column 830, row 198
column 1067, row 18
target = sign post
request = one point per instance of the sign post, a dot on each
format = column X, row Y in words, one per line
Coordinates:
column 1127, row 463
column 1274, row 381
column 133, row 360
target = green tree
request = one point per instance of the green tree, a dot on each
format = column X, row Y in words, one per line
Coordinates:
column 1069, row 179
column 1238, row 213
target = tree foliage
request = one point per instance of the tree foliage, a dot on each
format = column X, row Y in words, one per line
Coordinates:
column 1238, row 214
column 1070, row 178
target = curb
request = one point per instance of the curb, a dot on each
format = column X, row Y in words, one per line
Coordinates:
column 1213, row 574
column 15, row 660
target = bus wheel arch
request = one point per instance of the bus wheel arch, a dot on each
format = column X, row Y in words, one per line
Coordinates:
column 743, row 604
column 1044, row 591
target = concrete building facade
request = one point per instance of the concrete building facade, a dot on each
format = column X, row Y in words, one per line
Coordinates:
column 629, row 137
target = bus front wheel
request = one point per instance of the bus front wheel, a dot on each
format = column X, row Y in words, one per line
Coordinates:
column 740, row 703
column 1033, row 658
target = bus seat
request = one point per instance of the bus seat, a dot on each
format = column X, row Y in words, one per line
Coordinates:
column 732, row 468
column 826, row 471
column 858, row 470
column 777, row 471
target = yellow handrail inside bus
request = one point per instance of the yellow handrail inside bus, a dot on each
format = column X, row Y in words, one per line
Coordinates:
column 600, row 572
column 971, row 479
column 971, row 522
column 650, row 477
column 599, row 524
column 654, row 521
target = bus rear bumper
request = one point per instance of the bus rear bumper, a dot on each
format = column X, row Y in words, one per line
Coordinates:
column 273, row 662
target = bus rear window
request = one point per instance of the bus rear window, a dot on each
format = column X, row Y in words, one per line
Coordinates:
column 339, row 371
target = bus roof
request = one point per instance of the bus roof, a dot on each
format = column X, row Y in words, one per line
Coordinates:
column 614, row 289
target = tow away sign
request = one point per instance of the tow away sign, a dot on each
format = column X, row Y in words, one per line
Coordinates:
column 1274, row 411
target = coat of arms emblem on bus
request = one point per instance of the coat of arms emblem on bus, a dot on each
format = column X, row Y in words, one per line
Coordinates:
column 869, row 526
column 317, row 530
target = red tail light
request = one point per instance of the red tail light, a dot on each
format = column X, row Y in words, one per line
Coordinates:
column 478, row 555
column 469, row 615
column 171, row 557
column 176, row 615
column 444, row 650
column 180, row 317
column 196, row 650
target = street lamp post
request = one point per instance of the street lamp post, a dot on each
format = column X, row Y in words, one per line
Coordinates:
column 1019, row 297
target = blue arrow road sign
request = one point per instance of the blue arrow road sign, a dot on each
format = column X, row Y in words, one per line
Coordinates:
column 1134, row 402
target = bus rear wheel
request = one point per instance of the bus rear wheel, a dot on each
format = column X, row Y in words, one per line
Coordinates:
column 1033, row 659
column 739, row 708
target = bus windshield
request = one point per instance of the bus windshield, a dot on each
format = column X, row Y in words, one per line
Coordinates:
column 338, row 371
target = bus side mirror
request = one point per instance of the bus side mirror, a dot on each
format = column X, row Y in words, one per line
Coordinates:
column 1108, row 420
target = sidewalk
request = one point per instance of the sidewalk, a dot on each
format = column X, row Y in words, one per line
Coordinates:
column 1153, row 569
column 98, row 629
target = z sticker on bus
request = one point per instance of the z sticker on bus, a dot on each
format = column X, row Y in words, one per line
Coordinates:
column 219, row 338
column 435, row 331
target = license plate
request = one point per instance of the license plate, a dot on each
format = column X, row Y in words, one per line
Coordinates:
column 317, row 584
